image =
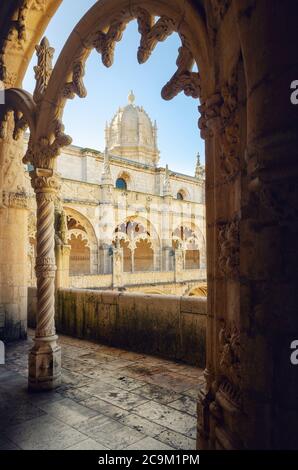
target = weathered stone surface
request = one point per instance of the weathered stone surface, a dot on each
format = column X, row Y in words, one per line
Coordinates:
column 173, row 327
column 92, row 412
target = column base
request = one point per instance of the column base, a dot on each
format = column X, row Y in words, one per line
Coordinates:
column 44, row 365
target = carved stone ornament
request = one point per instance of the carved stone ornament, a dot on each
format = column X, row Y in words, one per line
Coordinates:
column 184, row 79
column 17, row 200
column 44, row 152
column 61, row 231
column 152, row 33
column 20, row 125
column 76, row 86
column 230, row 134
column 229, row 249
column 105, row 43
column 230, row 361
column 43, row 69
column 209, row 121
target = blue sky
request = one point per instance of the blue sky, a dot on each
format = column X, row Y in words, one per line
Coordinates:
column 178, row 135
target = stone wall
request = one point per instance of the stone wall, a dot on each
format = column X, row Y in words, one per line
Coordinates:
column 137, row 279
column 169, row 326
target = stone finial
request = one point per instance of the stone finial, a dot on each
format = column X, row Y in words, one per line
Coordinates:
column 200, row 169
column 43, row 69
column 131, row 98
column 106, row 177
column 167, row 191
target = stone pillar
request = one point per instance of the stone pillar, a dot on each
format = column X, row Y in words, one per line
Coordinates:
column 14, row 265
column 45, row 356
column 105, row 258
column 62, row 253
column 156, row 259
column 206, row 394
column 179, row 265
column 167, row 227
column 13, row 236
column 117, row 266
column 269, row 226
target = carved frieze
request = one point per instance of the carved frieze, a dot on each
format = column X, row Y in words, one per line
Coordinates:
column 230, row 132
column 219, row 116
column 230, row 362
column 17, row 200
column 209, row 120
column 229, row 248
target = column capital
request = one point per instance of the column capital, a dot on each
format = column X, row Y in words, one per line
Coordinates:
column 45, row 180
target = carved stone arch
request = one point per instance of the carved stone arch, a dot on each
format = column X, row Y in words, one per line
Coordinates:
column 103, row 26
column 24, row 25
column 122, row 236
column 199, row 291
column 154, row 237
column 144, row 236
column 87, row 234
column 78, row 233
column 126, row 177
column 22, row 104
column 184, row 193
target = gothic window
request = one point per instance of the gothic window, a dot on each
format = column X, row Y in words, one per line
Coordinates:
column 121, row 184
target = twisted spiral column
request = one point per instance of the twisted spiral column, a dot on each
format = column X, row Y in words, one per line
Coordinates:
column 44, row 358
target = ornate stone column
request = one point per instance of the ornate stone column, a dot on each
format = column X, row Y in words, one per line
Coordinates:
column 45, row 356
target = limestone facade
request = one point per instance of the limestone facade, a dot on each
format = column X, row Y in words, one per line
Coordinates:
column 122, row 194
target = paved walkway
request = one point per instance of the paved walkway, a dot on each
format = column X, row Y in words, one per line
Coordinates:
column 109, row 399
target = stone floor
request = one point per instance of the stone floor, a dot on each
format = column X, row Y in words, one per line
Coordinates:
column 109, row 399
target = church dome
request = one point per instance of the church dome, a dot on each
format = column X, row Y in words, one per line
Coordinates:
column 132, row 135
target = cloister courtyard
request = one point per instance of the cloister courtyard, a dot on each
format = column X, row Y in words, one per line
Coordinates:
column 109, row 398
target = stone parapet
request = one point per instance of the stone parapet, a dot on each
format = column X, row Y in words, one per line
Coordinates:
column 168, row 326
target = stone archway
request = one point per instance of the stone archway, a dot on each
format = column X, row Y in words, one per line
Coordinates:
column 248, row 228
column 79, row 260
column 140, row 242
column 83, row 241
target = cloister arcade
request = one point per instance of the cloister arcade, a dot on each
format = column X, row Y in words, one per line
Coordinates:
column 246, row 57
